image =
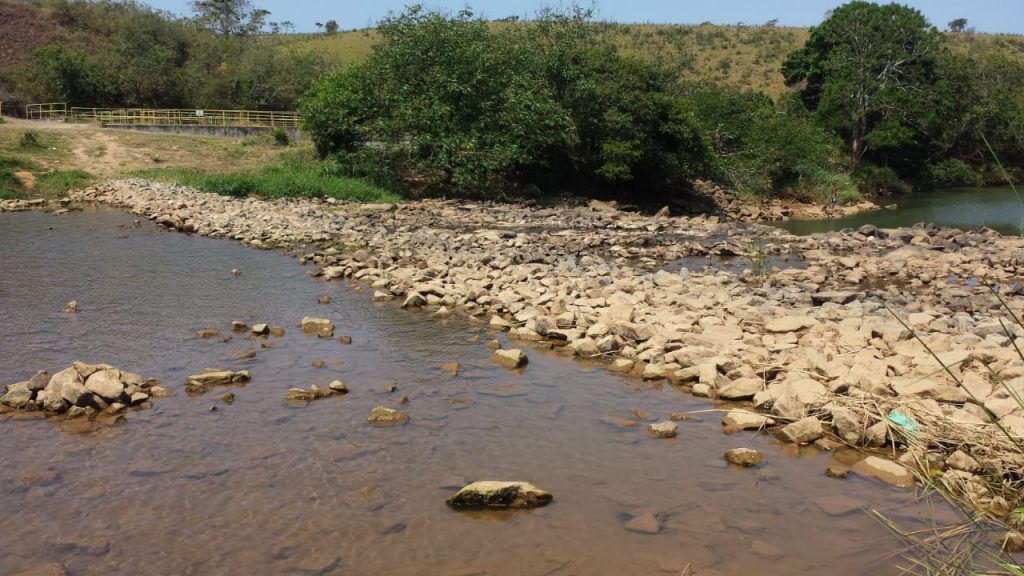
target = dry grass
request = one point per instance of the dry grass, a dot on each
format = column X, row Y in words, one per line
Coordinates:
column 739, row 56
column 109, row 153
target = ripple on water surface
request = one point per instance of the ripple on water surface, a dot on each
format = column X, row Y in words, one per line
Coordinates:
column 264, row 487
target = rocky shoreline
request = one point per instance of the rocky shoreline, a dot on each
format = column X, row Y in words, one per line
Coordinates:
column 816, row 345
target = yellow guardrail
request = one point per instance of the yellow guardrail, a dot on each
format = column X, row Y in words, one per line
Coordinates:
column 47, row 111
column 184, row 117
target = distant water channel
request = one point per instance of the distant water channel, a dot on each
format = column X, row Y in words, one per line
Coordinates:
column 264, row 487
column 965, row 208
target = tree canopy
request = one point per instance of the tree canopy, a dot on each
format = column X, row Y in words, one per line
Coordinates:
column 869, row 72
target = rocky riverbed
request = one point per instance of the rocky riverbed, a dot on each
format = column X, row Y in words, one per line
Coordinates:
column 830, row 342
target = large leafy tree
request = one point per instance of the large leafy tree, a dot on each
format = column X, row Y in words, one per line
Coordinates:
column 230, row 17
column 869, row 73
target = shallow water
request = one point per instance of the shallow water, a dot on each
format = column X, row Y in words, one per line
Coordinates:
column 264, row 487
column 998, row 208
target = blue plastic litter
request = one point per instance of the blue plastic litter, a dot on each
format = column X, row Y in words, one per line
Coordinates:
column 903, row 421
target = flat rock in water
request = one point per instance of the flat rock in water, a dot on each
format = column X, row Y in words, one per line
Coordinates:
column 199, row 382
column 746, row 457
column 383, row 416
column 498, row 494
column 320, row 326
column 885, row 470
column 838, row 505
column 646, row 523
column 665, row 429
column 512, row 358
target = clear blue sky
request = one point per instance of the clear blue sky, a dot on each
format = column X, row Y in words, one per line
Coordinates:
column 1005, row 16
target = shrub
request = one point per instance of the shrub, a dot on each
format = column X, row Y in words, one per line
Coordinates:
column 280, row 137
column 30, row 139
column 451, row 105
column 873, row 179
column 954, row 172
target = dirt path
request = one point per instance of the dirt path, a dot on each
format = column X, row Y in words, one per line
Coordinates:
column 100, row 153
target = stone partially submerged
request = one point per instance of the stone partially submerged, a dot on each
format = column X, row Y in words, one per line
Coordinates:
column 497, row 494
column 201, row 383
column 512, row 358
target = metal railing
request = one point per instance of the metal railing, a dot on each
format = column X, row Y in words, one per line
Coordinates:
column 183, row 117
column 47, row 111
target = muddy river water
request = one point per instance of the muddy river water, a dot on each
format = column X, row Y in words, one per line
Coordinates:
column 266, row 487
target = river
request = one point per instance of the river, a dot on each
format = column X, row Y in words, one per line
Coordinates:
column 266, row 487
column 998, row 208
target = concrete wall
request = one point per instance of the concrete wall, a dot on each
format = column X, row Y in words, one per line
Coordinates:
column 223, row 131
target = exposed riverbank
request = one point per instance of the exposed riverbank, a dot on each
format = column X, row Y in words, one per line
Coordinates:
column 811, row 344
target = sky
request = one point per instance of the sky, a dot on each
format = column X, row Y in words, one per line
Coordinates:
column 993, row 16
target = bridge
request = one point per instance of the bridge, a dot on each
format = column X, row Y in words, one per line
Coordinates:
column 213, row 122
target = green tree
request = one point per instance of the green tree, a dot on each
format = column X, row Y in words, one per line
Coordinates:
column 230, row 17
column 331, row 27
column 868, row 72
column 958, row 25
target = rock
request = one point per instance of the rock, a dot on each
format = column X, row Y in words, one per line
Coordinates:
column 379, row 296
column 511, row 358
column 201, row 382
column 389, row 388
column 414, row 300
column 960, row 460
column 789, row 324
column 646, row 523
column 338, row 387
column 71, row 307
column 237, row 326
column 666, row 429
column 276, row 331
column 617, row 422
column 497, row 494
column 451, row 368
column 106, row 384
column 228, row 398
column 260, row 329
column 741, row 388
column 802, row 431
column 885, row 470
column 736, row 420
column 344, row 339
column 207, row 333
column 621, row 365
column 320, row 326
column 236, row 272
column 51, row 401
column 838, row 505
column 766, row 550
column 834, row 297
column 138, row 398
column 68, row 384
column 299, row 395
column 383, row 416
column 848, row 425
column 745, row 457
column 159, row 392
column 1012, row 542
column 323, row 300
column 18, row 395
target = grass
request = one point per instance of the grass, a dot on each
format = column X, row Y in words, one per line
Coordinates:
column 291, row 176
column 46, row 183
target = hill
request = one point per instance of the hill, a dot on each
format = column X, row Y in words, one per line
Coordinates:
column 741, row 57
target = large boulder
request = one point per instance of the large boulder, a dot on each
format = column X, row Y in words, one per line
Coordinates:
column 736, row 420
column 496, row 494
column 106, row 384
column 741, row 388
column 17, row 396
column 69, row 385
